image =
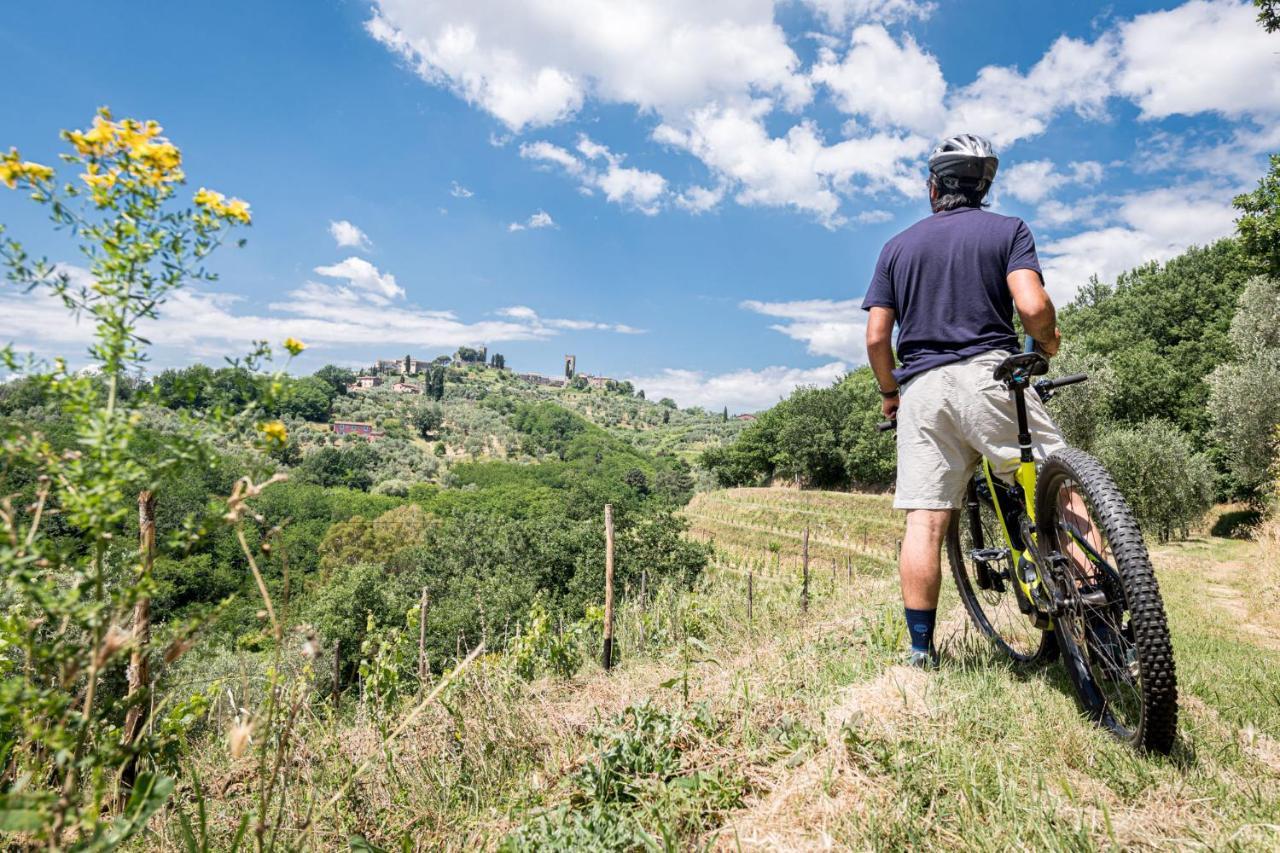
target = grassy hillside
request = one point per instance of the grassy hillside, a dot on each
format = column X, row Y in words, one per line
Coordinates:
column 789, row 730
column 474, row 423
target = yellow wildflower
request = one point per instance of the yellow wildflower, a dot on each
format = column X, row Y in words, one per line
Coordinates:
column 209, row 198
column 294, row 346
column 274, row 431
column 219, row 205
column 96, row 140
column 160, row 162
column 238, row 209
column 13, row 170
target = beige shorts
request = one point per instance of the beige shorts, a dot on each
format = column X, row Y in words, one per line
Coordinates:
column 949, row 418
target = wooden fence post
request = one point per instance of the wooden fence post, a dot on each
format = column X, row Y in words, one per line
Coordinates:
column 607, row 655
column 751, row 593
column 423, row 607
column 337, row 672
column 804, row 557
column 138, row 673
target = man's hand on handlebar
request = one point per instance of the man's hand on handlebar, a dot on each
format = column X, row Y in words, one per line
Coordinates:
column 889, row 406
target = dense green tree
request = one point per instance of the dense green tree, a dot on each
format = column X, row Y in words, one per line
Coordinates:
column 1162, row 329
column 548, row 428
column 1268, row 14
column 308, row 398
column 21, row 394
column 427, row 418
column 1259, row 222
column 1084, row 411
column 819, row 437
column 337, row 378
column 349, row 466
column 636, row 479
column 667, row 402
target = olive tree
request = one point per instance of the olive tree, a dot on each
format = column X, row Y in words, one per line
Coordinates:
column 1167, row 484
column 1244, row 400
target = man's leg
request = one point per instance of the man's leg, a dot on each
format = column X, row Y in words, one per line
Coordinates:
column 920, row 569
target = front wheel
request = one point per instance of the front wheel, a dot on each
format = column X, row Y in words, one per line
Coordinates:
column 1110, row 621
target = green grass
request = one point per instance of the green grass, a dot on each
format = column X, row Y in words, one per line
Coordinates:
column 797, row 730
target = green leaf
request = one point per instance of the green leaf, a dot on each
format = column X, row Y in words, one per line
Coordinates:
column 19, row 814
column 150, row 792
column 359, row 844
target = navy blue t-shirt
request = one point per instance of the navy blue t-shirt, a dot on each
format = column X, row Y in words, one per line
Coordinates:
column 945, row 279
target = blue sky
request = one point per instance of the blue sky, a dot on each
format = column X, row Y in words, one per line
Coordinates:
column 690, row 195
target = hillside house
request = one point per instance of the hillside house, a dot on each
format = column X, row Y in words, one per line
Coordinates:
column 406, row 388
column 360, row 428
column 595, row 381
column 366, row 381
column 744, row 417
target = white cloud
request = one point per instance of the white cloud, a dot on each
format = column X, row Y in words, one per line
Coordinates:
column 889, row 83
column 697, row 199
column 1035, row 180
column 534, row 63
column 1138, row 227
column 741, row 390
column 797, row 170
column 601, row 169
column 1006, row 105
column 459, row 191
column 362, row 275
column 540, row 219
column 826, row 326
column 527, row 315
column 722, row 84
column 873, row 217
column 347, row 235
column 198, row 323
column 1200, row 57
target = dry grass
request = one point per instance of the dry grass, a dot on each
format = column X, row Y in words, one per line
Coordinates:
column 831, row 745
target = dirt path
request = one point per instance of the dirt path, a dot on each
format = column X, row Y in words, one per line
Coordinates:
column 1228, row 574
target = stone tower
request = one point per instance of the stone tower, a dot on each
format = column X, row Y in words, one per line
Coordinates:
column 570, row 366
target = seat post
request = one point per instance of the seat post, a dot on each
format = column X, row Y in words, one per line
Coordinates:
column 1024, row 430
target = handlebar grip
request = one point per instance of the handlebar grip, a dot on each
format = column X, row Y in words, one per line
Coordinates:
column 1067, row 380
column 1029, row 345
column 885, row 426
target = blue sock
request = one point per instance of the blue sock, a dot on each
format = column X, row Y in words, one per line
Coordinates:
column 920, row 627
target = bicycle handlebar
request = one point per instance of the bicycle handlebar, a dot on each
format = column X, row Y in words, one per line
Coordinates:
column 1050, row 384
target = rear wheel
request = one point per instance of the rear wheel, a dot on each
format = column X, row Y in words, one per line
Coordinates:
column 1111, row 622
column 983, row 570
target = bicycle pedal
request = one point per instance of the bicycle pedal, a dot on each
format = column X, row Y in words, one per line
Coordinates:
column 985, row 576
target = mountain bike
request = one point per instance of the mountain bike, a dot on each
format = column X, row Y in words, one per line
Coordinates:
column 1066, row 572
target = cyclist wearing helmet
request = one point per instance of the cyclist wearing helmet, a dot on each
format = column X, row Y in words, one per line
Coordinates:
column 951, row 283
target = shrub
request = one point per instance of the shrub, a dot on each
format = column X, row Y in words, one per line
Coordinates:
column 1167, row 484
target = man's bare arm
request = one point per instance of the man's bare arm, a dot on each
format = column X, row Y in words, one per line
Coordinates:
column 880, row 354
column 1035, row 308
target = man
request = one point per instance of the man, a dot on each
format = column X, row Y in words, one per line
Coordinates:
column 952, row 282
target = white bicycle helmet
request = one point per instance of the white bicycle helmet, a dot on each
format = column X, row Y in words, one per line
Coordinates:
column 965, row 161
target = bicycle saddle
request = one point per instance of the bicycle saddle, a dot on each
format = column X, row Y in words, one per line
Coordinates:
column 1017, row 370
